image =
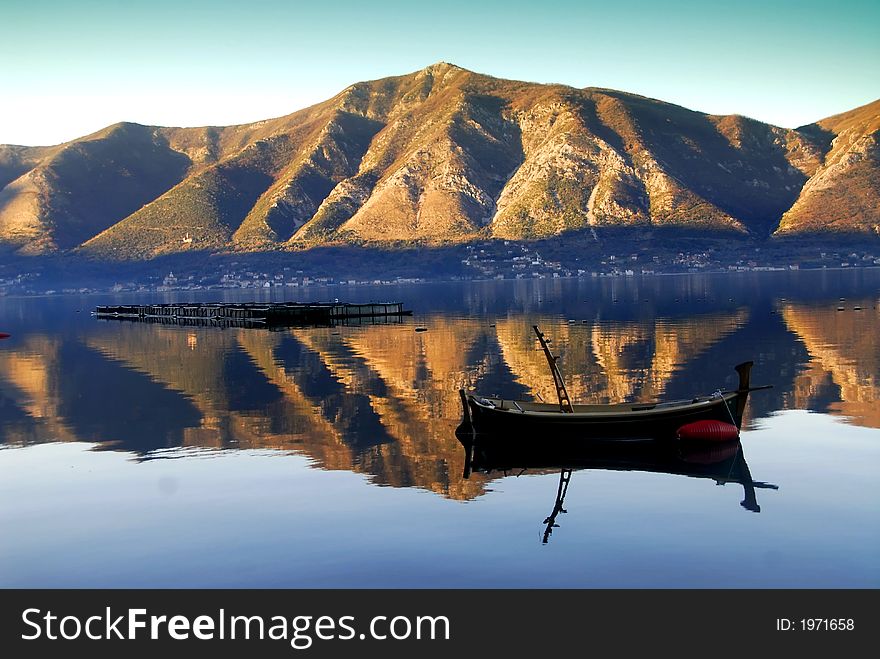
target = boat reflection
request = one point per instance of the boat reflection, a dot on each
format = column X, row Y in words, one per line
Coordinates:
column 722, row 463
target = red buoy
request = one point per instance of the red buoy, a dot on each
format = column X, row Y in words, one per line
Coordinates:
column 708, row 431
column 4, row 335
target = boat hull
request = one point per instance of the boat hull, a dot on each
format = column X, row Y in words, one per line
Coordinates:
column 630, row 422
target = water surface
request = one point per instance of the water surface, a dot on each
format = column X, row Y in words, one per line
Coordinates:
column 145, row 455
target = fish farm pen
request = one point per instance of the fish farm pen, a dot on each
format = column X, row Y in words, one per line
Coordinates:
column 260, row 314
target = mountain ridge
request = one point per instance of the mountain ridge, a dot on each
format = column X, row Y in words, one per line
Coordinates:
column 438, row 156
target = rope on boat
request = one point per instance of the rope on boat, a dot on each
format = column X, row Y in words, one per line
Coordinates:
column 717, row 394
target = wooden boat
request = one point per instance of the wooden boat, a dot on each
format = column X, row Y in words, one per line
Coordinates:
column 624, row 421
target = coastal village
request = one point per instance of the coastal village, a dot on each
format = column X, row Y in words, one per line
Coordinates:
column 491, row 260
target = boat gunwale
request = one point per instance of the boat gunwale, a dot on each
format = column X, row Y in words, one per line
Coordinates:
column 620, row 410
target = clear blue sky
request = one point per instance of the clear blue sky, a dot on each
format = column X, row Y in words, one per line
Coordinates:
column 69, row 68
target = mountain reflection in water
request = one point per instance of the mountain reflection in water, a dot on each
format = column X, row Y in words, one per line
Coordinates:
column 383, row 400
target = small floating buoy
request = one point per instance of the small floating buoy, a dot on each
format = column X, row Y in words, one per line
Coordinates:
column 421, row 329
column 708, row 431
column 4, row 335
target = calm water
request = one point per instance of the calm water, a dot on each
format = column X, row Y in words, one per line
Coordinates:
column 148, row 455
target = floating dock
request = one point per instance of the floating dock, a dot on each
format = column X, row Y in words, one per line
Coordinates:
column 256, row 314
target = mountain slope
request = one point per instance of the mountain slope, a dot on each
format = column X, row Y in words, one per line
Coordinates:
column 430, row 173
column 436, row 156
column 16, row 160
column 844, row 194
column 233, row 168
column 85, row 186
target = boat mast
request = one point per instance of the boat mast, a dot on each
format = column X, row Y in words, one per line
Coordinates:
column 564, row 400
column 744, row 371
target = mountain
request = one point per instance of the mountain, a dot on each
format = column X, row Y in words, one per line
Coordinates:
column 844, row 193
column 68, row 194
column 442, row 155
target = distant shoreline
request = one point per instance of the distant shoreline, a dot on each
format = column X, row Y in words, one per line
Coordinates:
column 424, row 281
